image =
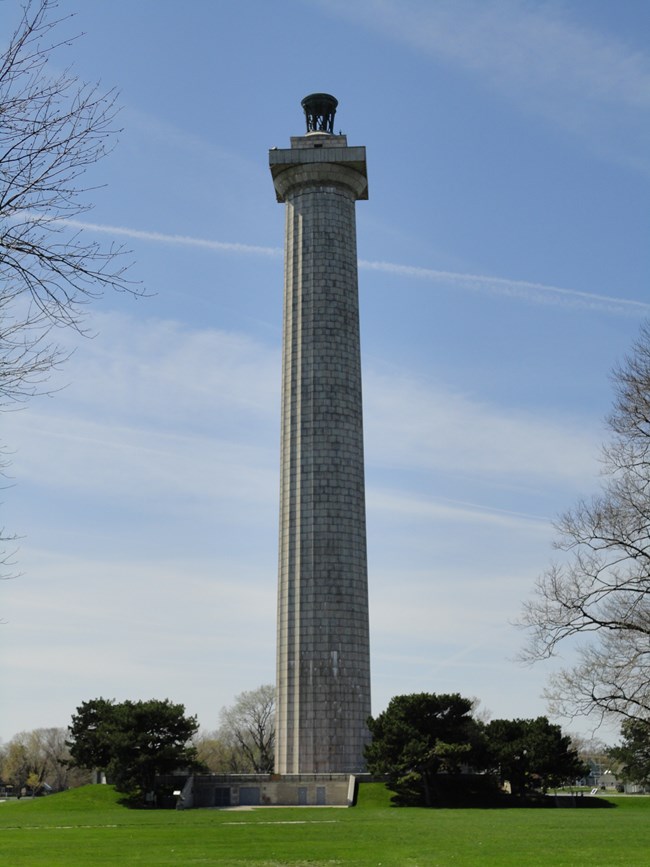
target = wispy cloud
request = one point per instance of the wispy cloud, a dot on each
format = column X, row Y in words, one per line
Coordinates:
column 145, row 414
column 140, row 368
column 216, row 453
column 133, row 628
column 172, row 472
column 541, row 56
column 418, row 425
column 182, row 457
column 457, row 511
column 522, row 290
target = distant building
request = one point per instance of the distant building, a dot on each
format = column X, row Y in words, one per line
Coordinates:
column 602, row 773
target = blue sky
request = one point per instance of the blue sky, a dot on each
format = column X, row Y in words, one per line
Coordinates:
column 503, row 272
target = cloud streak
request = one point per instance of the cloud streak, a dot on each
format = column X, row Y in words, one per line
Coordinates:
column 538, row 293
column 174, row 240
column 540, row 56
column 441, row 509
column 423, row 427
column 522, row 290
column 186, row 453
column 148, row 435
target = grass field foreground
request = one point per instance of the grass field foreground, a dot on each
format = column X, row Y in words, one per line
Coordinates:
column 87, row 826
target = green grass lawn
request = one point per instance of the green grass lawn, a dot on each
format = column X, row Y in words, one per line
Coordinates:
column 87, row 827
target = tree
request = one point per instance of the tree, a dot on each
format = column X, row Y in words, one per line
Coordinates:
column 595, row 755
column 532, row 754
column 419, row 736
column 92, row 734
column 599, row 594
column 37, row 758
column 53, row 128
column 248, row 729
column 634, row 753
column 217, row 756
column 132, row 741
column 17, row 763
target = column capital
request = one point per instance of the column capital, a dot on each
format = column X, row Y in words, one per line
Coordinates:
column 312, row 164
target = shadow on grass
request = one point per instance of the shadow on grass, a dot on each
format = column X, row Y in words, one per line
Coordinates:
column 510, row 802
column 135, row 801
column 469, row 791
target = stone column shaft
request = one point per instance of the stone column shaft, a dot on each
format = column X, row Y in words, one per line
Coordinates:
column 323, row 665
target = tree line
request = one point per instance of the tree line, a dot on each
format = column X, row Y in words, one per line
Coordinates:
column 133, row 742
column 431, row 748
column 420, row 744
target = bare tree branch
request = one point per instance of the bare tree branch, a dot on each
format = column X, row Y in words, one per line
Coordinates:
column 599, row 595
column 248, row 726
column 53, row 128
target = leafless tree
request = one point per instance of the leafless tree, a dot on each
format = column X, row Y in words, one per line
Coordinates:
column 53, row 127
column 248, row 728
column 598, row 596
column 219, row 756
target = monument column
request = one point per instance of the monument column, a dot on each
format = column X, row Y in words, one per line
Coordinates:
column 323, row 658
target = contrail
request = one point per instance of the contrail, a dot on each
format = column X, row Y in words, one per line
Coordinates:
column 537, row 293
column 180, row 240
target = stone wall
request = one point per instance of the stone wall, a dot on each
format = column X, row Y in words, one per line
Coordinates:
column 267, row 790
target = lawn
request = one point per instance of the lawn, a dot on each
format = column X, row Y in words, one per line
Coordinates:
column 87, row 827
